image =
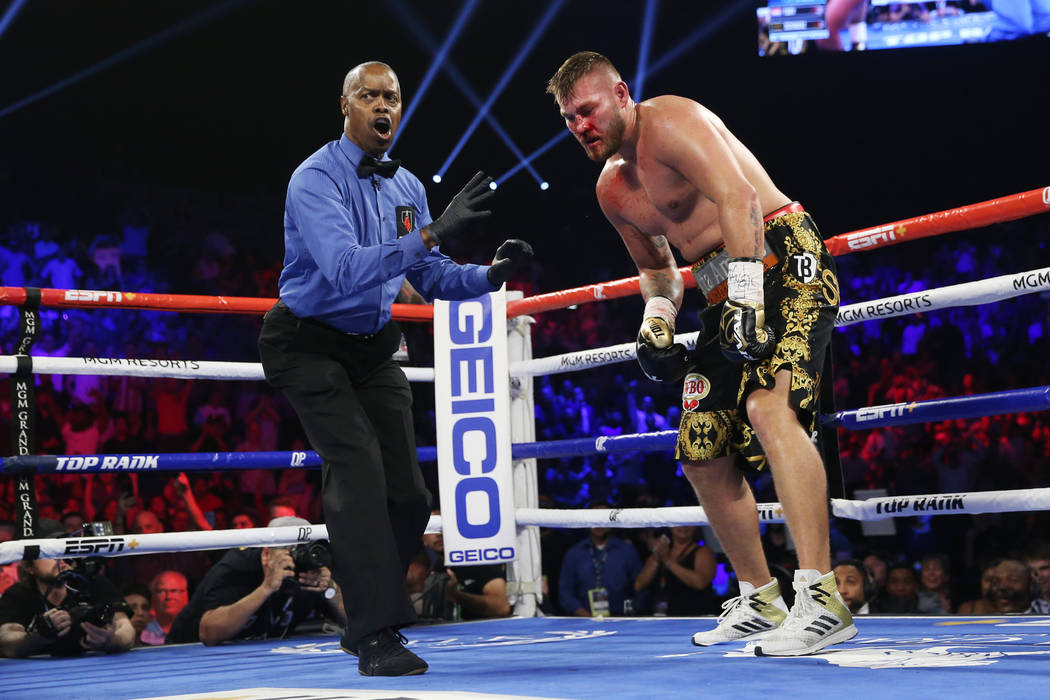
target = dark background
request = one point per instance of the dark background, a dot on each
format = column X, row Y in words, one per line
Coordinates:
column 223, row 111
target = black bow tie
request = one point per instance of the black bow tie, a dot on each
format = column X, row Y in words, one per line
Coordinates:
column 369, row 165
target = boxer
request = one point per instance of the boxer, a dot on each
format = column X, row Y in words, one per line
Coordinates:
column 674, row 175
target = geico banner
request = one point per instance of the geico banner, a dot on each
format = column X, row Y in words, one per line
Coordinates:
column 472, row 401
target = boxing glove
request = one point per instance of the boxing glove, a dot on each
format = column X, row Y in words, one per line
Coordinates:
column 658, row 322
column 659, row 356
column 668, row 364
column 743, row 333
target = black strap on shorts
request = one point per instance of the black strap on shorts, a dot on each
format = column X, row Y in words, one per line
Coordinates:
column 828, row 435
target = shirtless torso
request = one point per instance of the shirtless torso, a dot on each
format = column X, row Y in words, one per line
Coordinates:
column 647, row 195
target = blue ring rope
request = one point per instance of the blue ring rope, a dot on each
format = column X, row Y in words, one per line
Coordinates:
column 1000, row 402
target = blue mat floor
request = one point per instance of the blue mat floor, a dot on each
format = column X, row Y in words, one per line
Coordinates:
column 573, row 658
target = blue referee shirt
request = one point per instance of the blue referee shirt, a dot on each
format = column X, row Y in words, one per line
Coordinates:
column 344, row 259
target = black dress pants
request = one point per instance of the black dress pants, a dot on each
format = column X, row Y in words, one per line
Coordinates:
column 355, row 405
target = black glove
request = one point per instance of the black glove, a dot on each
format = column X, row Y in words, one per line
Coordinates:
column 663, row 364
column 743, row 333
column 509, row 258
column 463, row 210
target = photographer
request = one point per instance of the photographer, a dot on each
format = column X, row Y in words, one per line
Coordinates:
column 62, row 610
column 256, row 593
column 453, row 593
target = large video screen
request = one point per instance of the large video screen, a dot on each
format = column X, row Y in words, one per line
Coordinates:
column 797, row 26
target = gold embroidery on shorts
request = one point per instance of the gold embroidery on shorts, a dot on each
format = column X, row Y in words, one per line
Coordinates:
column 831, row 287
column 804, row 234
column 800, row 311
column 752, row 372
column 748, row 447
column 793, row 349
column 807, row 385
column 703, row 436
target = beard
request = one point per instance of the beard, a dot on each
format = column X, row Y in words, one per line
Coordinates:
column 611, row 141
column 48, row 579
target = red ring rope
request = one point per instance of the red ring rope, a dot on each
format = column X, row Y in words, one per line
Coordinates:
column 1008, row 208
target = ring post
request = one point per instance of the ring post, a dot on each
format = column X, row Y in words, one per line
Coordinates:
column 524, row 575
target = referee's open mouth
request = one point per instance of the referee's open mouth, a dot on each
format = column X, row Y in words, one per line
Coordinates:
column 382, row 127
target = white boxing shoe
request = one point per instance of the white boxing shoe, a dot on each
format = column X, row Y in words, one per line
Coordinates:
column 819, row 618
column 751, row 615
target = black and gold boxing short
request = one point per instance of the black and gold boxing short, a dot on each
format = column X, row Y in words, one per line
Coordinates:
column 801, row 300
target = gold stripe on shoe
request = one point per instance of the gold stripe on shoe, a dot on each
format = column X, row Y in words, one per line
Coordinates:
column 761, row 601
column 825, row 592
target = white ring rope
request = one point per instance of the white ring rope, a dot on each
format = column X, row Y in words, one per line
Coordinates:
column 173, row 369
column 194, row 540
column 1013, row 501
column 1017, row 500
column 966, row 294
column 586, row 359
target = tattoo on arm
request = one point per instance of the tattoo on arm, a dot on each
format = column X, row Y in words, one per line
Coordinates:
column 757, row 227
column 657, row 284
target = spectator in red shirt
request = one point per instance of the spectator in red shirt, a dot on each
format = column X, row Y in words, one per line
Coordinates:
column 171, row 399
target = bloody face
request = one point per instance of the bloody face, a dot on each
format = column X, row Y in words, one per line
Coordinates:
column 594, row 114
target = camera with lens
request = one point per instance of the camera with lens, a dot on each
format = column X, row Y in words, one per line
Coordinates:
column 98, row 528
column 98, row 614
column 311, row 556
column 78, row 603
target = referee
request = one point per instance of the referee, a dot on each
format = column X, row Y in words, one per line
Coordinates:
column 356, row 225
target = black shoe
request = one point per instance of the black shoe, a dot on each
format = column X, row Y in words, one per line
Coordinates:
column 345, row 646
column 384, row 654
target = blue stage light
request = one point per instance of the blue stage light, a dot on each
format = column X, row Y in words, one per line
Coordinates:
column 700, row 34
column 9, row 16
column 525, row 162
column 436, row 178
column 120, row 56
column 674, row 54
column 534, row 36
column 545, row 185
column 643, row 49
column 439, row 58
column 413, row 23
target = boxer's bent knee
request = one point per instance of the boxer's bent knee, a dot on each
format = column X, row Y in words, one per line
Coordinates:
column 767, row 407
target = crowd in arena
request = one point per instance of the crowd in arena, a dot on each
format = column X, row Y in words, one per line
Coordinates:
column 992, row 564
